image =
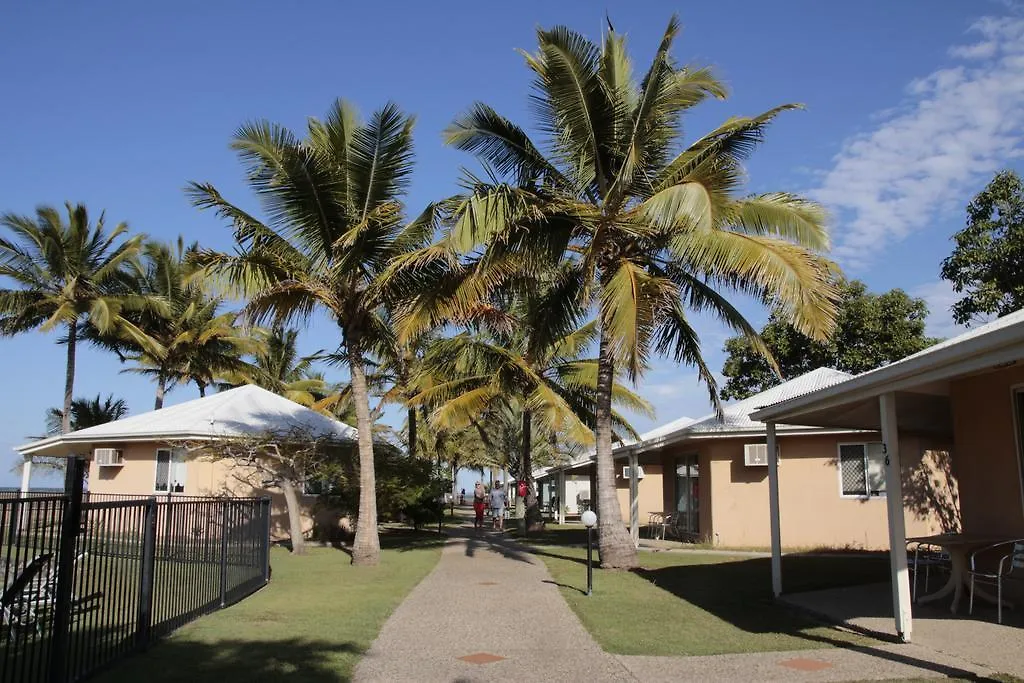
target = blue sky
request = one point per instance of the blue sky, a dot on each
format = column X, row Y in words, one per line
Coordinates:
column 910, row 109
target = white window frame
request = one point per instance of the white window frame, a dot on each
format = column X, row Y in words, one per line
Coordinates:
column 839, row 473
column 183, row 463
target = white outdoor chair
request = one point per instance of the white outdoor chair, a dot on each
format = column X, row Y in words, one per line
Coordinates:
column 1010, row 567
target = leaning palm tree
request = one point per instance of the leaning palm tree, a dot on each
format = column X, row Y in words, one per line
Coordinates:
column 68, row 275
column 333, row 210
column 87, row 412
column 655, row 228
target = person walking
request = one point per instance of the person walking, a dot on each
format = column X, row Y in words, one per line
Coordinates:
column 498, row 505
column 479, row 501
column 462, row 497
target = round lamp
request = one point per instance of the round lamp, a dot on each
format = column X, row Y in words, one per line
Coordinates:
column 589, row 519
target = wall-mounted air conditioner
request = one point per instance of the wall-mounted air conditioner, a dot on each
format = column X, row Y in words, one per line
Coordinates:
column 639, row 472
column 108, row 457
column 755, row 455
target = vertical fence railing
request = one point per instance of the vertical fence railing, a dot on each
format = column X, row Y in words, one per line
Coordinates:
column 110, row 575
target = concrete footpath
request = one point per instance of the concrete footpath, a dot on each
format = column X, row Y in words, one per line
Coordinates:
column 490, row 611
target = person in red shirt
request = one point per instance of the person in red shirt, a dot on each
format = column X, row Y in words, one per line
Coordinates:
column 479, row 501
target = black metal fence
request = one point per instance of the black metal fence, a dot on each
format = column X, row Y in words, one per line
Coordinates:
column 85, row 583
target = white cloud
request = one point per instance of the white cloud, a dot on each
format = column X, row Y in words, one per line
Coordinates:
column 940, row 297
column 958, row 125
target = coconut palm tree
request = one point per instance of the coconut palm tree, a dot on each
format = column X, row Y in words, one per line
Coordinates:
column 277, row 367
column 67, row 274
column 656, row 228
column 332, row 201
column 87, row 412
column 189, row 339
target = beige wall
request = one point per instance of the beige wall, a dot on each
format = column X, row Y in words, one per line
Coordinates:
column 734, row 497
column 649, row 491
column 204, row 477
column 985, row 457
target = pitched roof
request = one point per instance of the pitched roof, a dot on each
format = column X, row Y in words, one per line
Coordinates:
column 244, row 411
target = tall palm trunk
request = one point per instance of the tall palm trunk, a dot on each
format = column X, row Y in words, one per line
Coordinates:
column 614, row 542
column 366, row 548
column 532, row 516
column 412, row 432
column 69, row 377
column 161, row 389
column 291, row 502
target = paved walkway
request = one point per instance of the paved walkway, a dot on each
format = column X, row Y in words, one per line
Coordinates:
column 490, row 611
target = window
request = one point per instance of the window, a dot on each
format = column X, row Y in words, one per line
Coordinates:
column 862, row 469
column 320, row 487
column 170, row 470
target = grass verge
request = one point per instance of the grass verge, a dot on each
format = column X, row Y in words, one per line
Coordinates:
column 702, row 604
column 312, row 623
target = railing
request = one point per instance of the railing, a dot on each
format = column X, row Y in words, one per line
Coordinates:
column 116, row 573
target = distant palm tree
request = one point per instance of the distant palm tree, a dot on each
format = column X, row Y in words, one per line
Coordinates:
column 69, row 275
column 655, row 228
column 190, row 339
column 334, row 223
column 87, row 413
column 277, row 367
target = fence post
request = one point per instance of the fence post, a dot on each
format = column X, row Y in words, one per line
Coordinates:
column 224, row 554
column 265, row 540
column 147, row 576
column 74, row 475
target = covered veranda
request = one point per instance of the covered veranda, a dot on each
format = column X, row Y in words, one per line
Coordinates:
column 968, row 392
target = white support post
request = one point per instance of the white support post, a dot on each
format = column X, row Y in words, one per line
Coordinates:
column 634, row 499
column 561, row 496
column 897, row 530
column 26, row 475
column 773, row 505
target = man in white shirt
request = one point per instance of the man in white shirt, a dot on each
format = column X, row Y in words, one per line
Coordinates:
column 498, row 505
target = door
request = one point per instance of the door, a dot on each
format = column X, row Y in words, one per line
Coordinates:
column 688, row 494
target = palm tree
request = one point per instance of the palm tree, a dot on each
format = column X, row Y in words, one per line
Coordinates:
column 189, row 339
column 87, row 413
column 334, row 223
column 67, row 274
column 654, row 228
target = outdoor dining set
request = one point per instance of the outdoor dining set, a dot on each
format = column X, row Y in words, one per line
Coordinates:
column 973, row 561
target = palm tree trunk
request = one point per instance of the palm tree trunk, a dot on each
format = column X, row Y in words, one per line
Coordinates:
column 616, row 546
column 291, row 502
column 366, row 547
column 532, row 516
column 161, row 389
column 202, row 389
column 69, row 377
column 412, row 432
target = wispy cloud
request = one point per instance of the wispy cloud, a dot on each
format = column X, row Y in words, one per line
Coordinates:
column 920, row 161
column 940, row 297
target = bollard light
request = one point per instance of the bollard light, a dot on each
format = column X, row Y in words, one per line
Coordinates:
column 589, row 520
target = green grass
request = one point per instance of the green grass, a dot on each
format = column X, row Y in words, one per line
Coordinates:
column 702, row 604
column 312, row 623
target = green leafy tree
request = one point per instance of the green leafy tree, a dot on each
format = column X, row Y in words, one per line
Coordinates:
column 987, row 264
column 70, row 275
column 655, row 227
column 334, row 222
column 86, row 413
column 871, row 330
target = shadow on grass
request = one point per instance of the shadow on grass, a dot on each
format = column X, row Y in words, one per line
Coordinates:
column 402, row 540
column 228, row 661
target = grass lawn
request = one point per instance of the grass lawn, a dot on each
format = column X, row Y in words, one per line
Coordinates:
column 312, row 623
column 684, row 603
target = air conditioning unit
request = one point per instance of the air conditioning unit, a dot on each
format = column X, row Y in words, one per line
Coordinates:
column 755, row 455
column 639, row 472
column 108, row 457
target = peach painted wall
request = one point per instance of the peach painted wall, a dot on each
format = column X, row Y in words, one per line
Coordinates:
column 986, row 458
column 734, row 498
column 649, row 491
column 204, row 477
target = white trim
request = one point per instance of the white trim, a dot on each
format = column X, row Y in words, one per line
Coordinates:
column 170, row 470
column 867, row 488
column 1019, row 447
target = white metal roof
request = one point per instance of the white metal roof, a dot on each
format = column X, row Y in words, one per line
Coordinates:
column 244, row 411
column 735, row 418
column 998, row 342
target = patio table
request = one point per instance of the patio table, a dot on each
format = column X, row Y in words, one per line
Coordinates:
column 959, row 546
